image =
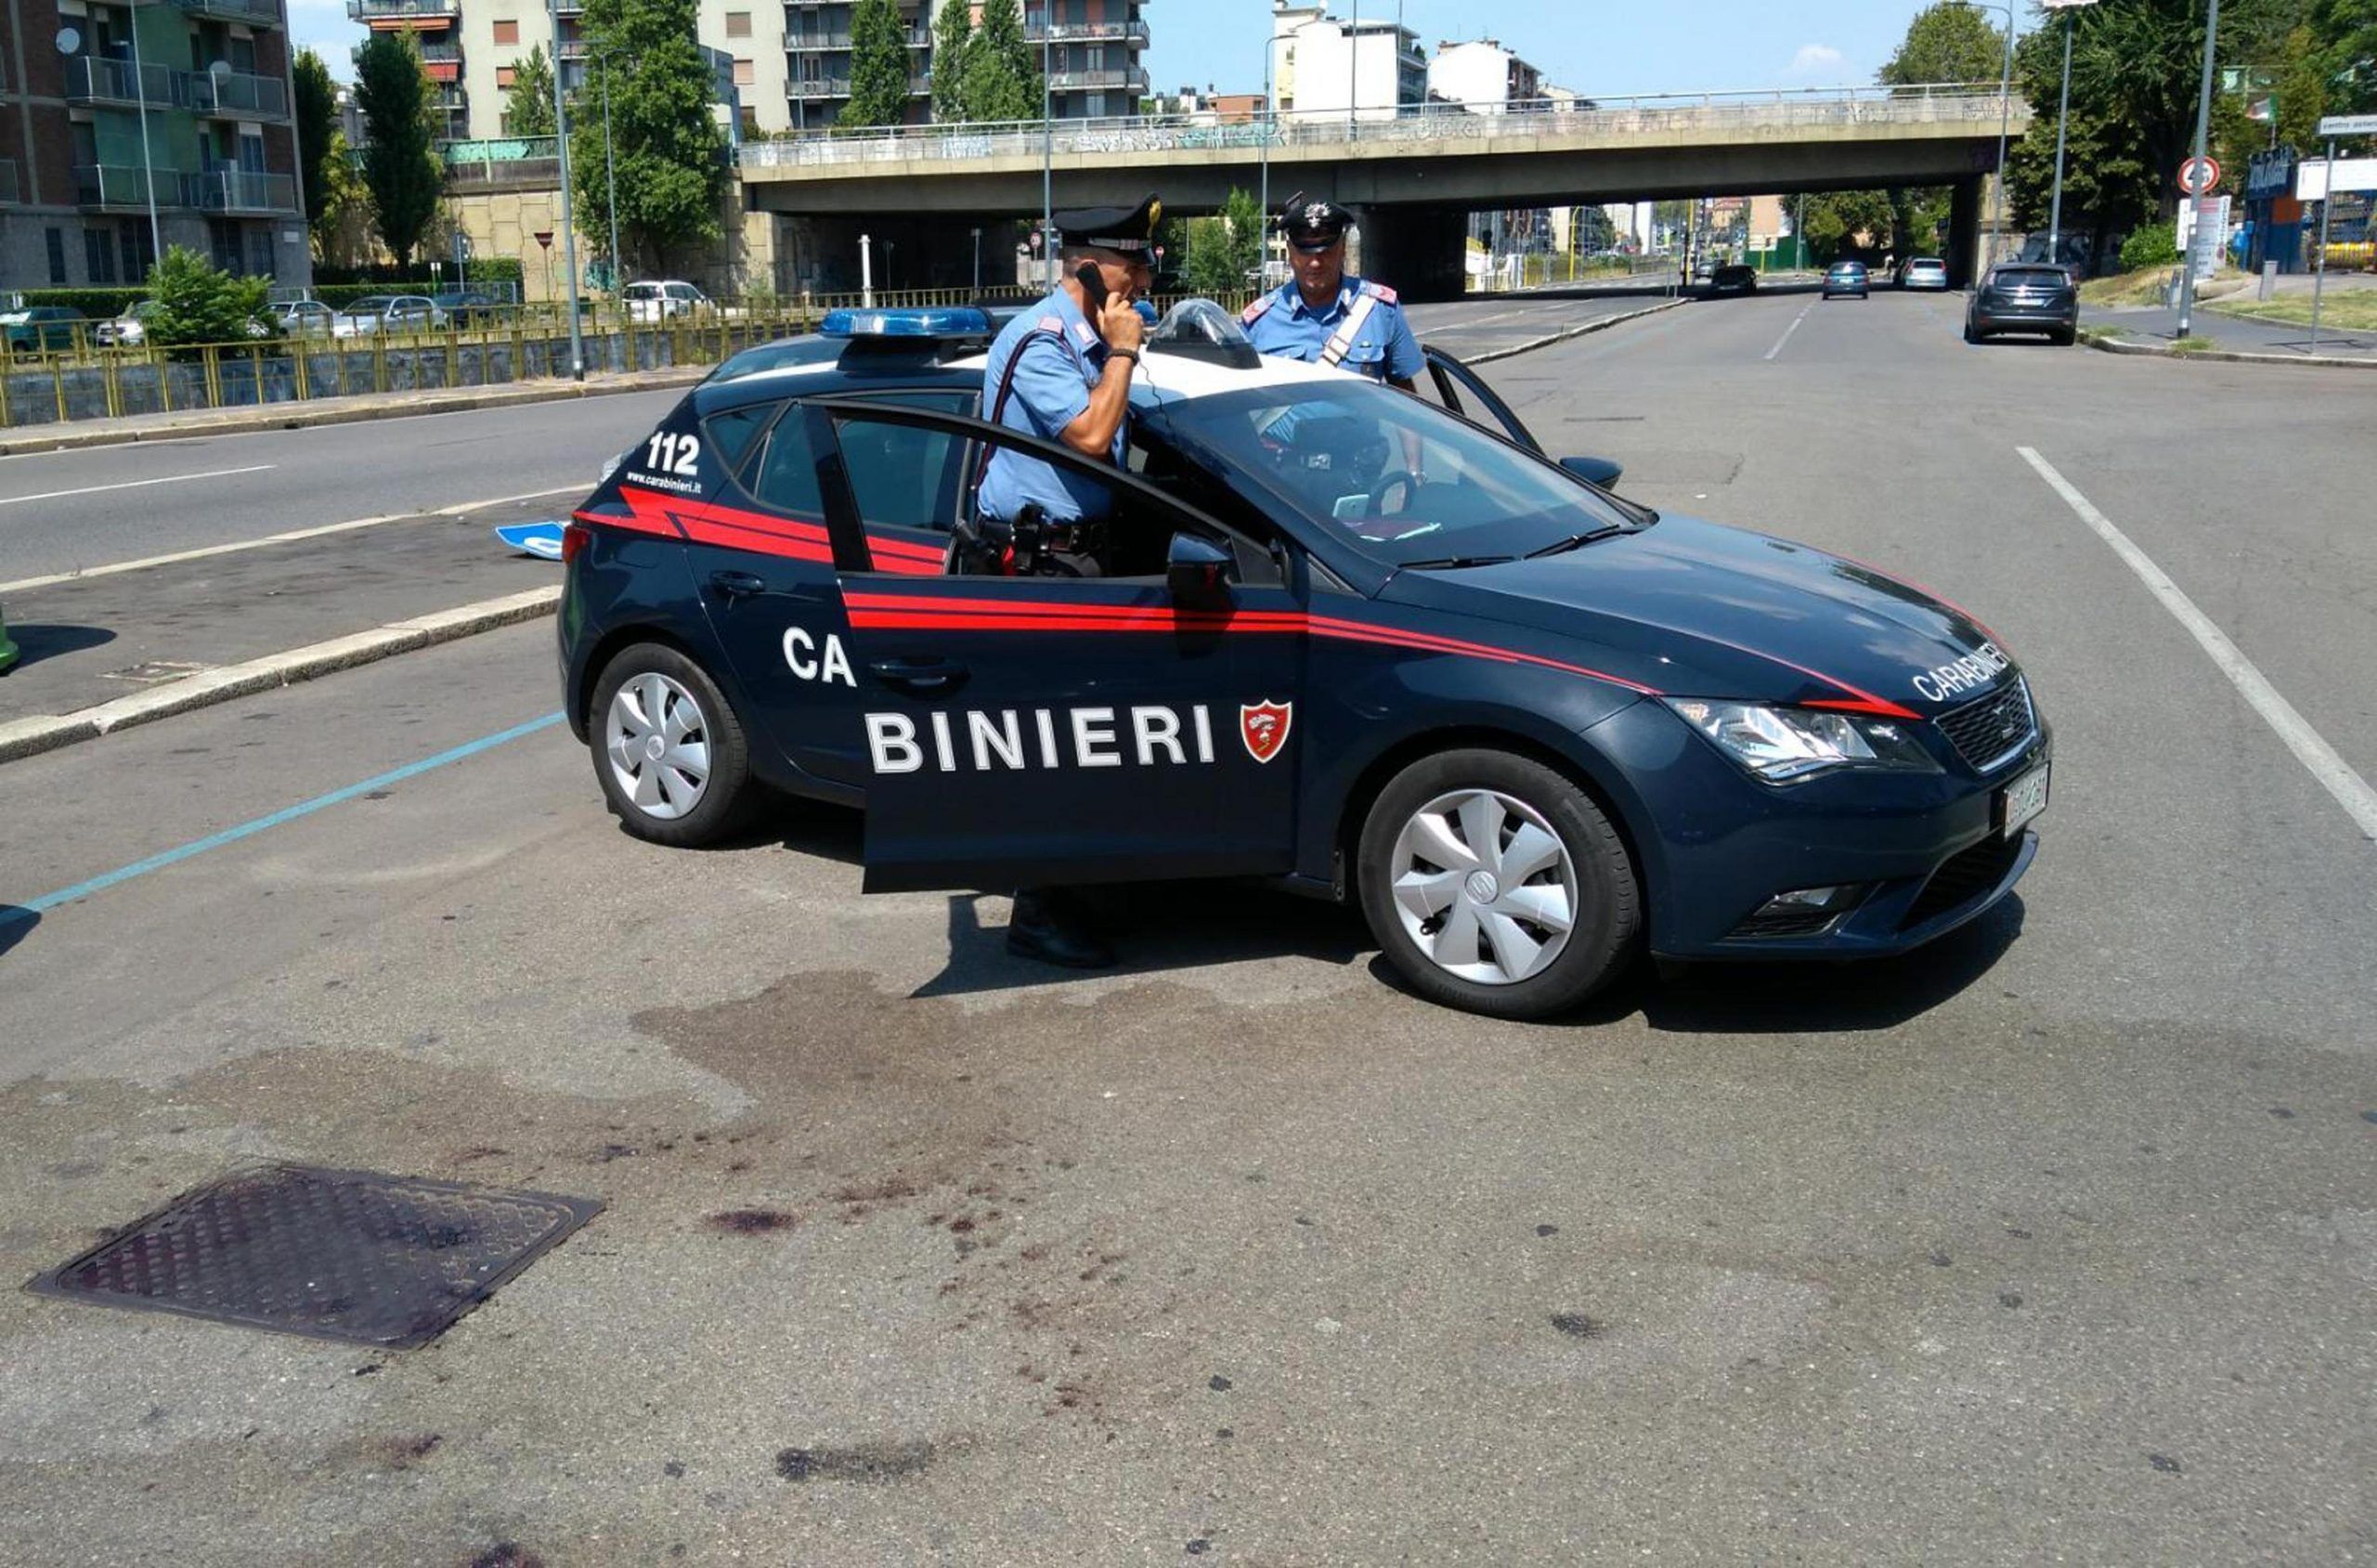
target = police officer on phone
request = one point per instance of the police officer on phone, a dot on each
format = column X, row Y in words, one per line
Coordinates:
column 1061, row 371
column 1325, row 315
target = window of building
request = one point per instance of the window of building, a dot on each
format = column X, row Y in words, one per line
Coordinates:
column 507, row 32
column 57, row 237
column 133, row 245
column 505, row 75
column 99, row 256
column 738, row 24
column 745, row 74
column 260, row 251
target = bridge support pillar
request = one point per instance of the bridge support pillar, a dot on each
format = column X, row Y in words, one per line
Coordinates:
column 1420, row 253
column 1964, row 231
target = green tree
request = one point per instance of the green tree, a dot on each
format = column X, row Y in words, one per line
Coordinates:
column 669, row 147
column 953, row 42
column 342, row 236
column 316, row 107
column 1836, row 220
column 400, row 165
column 529, row 103
column 878, row 66
column 1947, row 43
column 2346, row 30
column 199, row 303
column 1223, row 253
column 1003, row 70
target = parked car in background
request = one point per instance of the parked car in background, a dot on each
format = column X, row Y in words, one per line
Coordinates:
column 2024, row 297
column 1845, row 278
column 388, row 313
column 42, row 328
column 659, row 300
column 127, row 330
column 469, row 307
column 305, row 318
column 1924, row 272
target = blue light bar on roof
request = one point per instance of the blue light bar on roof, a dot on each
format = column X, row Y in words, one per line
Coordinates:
column 957, row 321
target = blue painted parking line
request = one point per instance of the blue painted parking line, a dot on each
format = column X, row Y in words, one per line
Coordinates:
column 47, row 902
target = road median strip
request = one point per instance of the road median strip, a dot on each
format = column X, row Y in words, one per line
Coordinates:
column 1599, row 324
column 308, row 415
column 40, row 732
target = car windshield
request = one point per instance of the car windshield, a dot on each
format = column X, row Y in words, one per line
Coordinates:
column 1408, row 484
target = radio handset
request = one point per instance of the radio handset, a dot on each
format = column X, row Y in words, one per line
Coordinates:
column 1093, row 288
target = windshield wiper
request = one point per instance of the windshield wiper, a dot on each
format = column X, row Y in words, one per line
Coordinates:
column 1572, row 541
column 1454, row 563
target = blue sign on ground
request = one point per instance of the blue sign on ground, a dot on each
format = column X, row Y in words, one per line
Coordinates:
column 541, row 539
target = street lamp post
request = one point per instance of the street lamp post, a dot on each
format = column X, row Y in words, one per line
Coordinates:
column 2005, row 113
column 147, row 166
column 1353, row 68
column 569, row 219
column 610, row 180
column 2063, row 114
column 2202, row 130
column 1047, row 147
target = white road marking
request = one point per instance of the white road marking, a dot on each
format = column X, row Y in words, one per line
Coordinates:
column 135, row 483
column 290, row 538
column 1788, row 330
column 2352, row 790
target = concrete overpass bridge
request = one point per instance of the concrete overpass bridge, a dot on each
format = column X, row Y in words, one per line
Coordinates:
column 1412, row 178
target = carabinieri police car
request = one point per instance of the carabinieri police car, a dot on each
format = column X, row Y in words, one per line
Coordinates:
column 1370, row 645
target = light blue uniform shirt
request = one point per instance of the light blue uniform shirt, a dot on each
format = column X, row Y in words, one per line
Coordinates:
column 1382, row 349
column 1059, row 357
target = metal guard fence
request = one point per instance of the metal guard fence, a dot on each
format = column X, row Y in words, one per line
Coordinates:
column 90, row 382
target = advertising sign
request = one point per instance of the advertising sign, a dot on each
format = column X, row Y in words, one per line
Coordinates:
column 2203, row 229
column 2312, row 184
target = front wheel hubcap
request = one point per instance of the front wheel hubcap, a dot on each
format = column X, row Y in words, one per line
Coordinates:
column 1484, row 886
column 657, row 740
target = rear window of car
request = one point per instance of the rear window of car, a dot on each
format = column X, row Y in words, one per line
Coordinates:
column 2031, row 278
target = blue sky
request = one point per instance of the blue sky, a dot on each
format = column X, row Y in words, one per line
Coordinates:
column 1596, row 47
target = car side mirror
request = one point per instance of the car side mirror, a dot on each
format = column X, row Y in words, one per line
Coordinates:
column 1198, row 571
column 1594, row 471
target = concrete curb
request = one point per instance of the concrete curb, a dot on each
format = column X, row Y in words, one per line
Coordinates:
column 28, row 737
column 303, row 415
column 1600, row 325
column 2097, row 340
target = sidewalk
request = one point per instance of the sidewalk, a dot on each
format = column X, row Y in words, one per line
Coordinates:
column 335, row 410
column 2155, row 326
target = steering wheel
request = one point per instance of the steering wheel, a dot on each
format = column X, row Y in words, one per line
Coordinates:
column 1388, row 480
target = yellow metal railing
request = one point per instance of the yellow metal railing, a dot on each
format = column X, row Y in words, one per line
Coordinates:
column 88, row 379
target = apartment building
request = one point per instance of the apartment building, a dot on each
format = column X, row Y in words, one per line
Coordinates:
column 1483, row 76
column 107, row 110
column 789, row 63
column 1368, row 69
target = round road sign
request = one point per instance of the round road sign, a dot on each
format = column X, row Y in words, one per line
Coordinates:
column 2198, row 175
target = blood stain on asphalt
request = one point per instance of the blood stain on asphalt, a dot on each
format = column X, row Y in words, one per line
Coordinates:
column 750, row 1222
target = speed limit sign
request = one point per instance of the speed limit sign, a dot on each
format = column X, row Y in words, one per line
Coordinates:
column 2198, row 175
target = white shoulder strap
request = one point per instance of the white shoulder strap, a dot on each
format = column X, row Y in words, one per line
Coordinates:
column 1342, row 340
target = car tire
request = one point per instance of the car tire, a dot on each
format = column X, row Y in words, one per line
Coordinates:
column 1972, row 336
column 1580, row 871
column 696, row 787
column 2065, row 338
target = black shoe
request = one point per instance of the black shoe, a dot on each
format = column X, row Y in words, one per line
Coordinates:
column 1048, row 927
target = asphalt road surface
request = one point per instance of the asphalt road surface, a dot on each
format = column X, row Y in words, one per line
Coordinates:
column 2053, row 1242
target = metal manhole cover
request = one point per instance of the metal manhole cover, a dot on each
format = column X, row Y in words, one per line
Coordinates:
column 335, row 1254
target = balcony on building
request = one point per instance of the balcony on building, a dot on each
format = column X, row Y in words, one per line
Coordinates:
column 125, row 187
column 255, row 13
column 810, row 43
column 1077, row 81
column 1113, row 31
column 244, row 191
column 402, row 11
column 237, row 95
column 90, row 79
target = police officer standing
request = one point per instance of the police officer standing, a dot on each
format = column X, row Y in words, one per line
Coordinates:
column 1324, row 315
column 1061, row 371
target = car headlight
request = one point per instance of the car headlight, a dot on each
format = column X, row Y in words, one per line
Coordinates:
column 1783, row 745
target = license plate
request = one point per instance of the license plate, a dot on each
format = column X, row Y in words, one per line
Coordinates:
column 2022, row 800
